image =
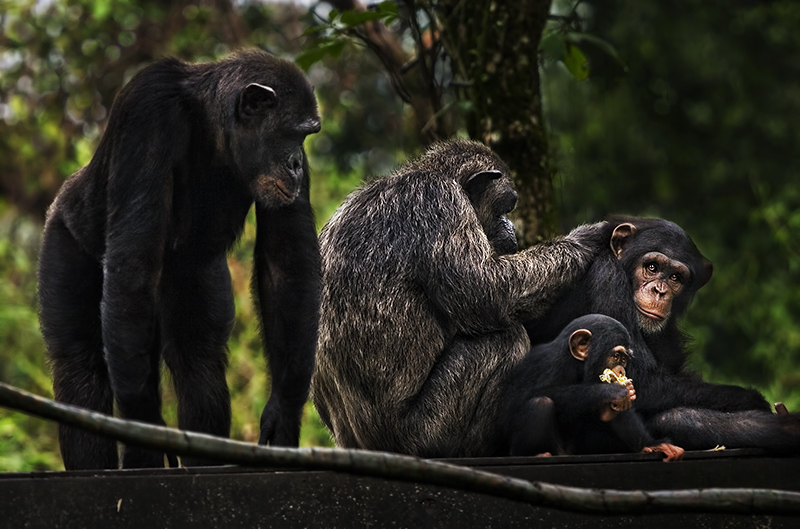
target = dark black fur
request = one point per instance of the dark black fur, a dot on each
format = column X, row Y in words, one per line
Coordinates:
column 421, row 304
column 553, row 401
column 133, row 263
column 674, row 401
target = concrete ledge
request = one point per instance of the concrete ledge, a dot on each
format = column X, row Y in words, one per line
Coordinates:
column 233, row 497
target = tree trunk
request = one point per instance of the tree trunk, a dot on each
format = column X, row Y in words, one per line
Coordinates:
column 494, row 47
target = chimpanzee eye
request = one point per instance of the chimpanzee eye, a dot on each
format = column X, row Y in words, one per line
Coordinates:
column 652, row 268
column 616, row 357
column 676, row 277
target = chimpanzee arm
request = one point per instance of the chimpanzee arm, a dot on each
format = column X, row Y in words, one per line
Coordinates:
column 582, row 405
column 286, row 278
column 578, row 402
column 629, row 429
column 701, row 429
column 508, row 287
column 138, row 207
column 558, row 264
column 550, row 419
column 658, row 391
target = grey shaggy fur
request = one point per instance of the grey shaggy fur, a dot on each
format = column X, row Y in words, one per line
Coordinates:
column 420, row 319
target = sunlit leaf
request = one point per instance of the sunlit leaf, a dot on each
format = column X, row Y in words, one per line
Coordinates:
column 604, row 45
column 576, row 63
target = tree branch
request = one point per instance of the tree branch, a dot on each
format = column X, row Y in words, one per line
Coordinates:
column 406, row 468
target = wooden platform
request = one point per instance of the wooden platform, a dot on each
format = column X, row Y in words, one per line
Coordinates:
column 235, row 497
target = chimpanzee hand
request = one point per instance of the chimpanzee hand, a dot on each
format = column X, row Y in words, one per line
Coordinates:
column 631, row 390
column 280, row 426
column 619, row 400
column 670, row 451
column 595, row 237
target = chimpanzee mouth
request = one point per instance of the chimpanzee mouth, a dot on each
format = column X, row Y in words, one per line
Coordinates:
column 281, row 188
column 277, row 188
column 651, row 315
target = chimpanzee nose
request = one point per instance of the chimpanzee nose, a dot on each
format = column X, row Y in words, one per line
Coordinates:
column 295, row 164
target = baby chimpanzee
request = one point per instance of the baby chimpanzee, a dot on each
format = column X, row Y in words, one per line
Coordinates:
column 557, row 402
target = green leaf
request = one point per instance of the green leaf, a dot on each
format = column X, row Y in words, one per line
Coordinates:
column 355, row 18
column 387, row 8
column 576, row 63
column 336, row 48
column 389, row 12
column 323, row 48
column 312, row 30
column 553, row 46
column 607, row 47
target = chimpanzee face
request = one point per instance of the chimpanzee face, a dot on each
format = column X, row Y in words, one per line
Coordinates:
column 605, row 346
column 617, row 360
column 496, row 225
column 664, row 267
column 494, row 198
column 274, row 116
column 657, row 281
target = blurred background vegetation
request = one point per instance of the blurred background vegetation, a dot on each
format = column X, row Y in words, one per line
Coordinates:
column 690, row 113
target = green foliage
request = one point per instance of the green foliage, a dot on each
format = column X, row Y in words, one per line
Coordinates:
column 25, row 443
column 339, row 29
column 562, row 40
column 63, row 63
column 699, row 129
column 687, row 116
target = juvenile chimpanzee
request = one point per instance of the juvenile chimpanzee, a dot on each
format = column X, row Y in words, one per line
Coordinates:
column 646, row 279
column 421, row 304
column 555, row 402
column 133, row 262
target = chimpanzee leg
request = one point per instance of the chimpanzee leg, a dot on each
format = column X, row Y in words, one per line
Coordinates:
column 455, row 413
column 142, row 405
column 132, row 343
column 534, row 429
column 198, row 319
column 700, row 429
column 70, row 287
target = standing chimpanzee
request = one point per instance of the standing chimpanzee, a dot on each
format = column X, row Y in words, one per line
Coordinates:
column 646, row 280
column 133, row 262
column 555, row 402
column 422, row 300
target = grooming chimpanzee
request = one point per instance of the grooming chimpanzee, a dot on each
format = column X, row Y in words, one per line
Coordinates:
column 646, row 279
column 555, row 402
column 133, row 262
column 421, row 302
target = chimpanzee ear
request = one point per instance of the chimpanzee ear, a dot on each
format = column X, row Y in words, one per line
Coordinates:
column 579, row 343
column 705, row 276
column 621, row 236
column 255, row 99
column 475, row 185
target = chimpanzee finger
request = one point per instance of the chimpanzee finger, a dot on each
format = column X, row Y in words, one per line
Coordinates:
column 671, row 452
